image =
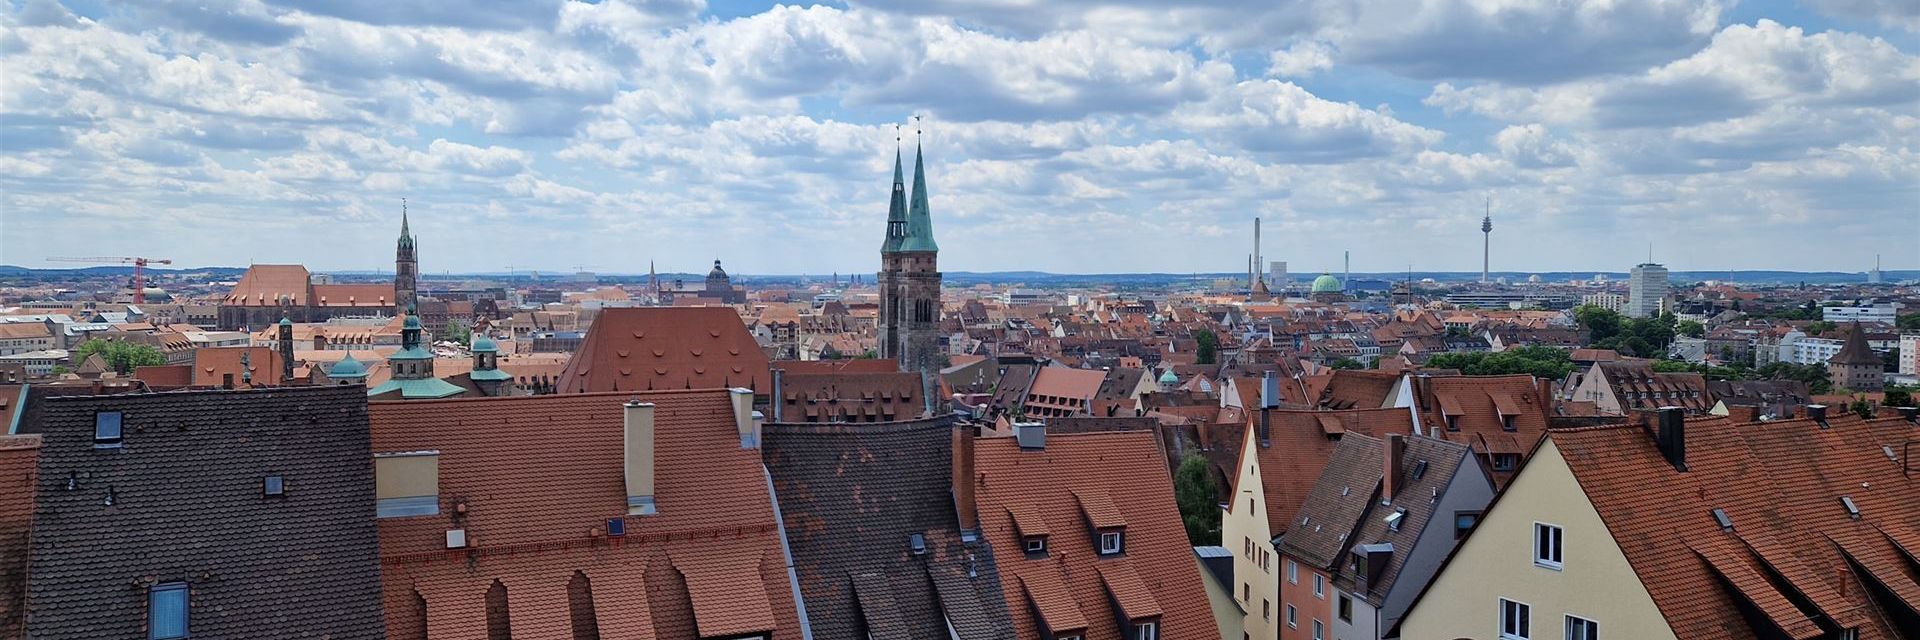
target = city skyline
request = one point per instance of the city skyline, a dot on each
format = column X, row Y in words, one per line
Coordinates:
column 557, row 136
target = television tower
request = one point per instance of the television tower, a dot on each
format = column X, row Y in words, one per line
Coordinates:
column 1486, row 241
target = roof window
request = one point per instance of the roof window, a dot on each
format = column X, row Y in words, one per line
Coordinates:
column 106, row 430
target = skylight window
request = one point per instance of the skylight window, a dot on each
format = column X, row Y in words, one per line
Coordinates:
column 273, row 486
column 1720, row 516
column 1853, row 510
column 106, row 430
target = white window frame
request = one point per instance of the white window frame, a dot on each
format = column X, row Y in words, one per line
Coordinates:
column 1293, row 571
column 1293, row 617
column 1319, row 586
column 1319, row 630
column 1591, row 628
column 1036, row 544
column 1525, row 633
column 1117, row 543
column 1149, row 630
column 1557, row 549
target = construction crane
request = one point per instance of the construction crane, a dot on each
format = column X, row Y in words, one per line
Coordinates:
column 139, row 270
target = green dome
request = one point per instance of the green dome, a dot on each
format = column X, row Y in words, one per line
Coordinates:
column 1169, row 378
column 484, row 344
column 347, row 368
column 1326, row 283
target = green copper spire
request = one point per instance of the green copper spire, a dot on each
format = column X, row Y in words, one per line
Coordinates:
column 406, row 235
column 896, row 210
column 919, row 219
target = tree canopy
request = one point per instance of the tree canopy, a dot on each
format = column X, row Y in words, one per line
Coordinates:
column 1544, row 362
column 1640, row 337
column 123, row 356
column 1194, row 491
column 1209, row 351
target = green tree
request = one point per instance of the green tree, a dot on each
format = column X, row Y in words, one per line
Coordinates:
column 1601, row 323
column 1819, row 327
column 1691, row 329
column 123, row 356
column 1544, row 362
column 1908, row 322
column 459, row 334
column 1209, row 346
column 1346, row 363
column 1195, row 491
column 1815, row 375
column 1899, row 397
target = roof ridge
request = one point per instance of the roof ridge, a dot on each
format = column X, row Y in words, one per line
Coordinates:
column 553, row 396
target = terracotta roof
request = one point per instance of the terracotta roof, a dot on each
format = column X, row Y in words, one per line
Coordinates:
column 1637, row 386
column 848, row 365
column 266, row 285
column 1126, row 465
column 1322, row 528
column 1781, row 484
column 1357, row 389
column 19, row 457
column 212, row 365
column 664, row 348
column 170, row 376
column 850, row 397
column 1474, row 410
column 354, row 295
column 1299, row 444
column 24, row 330
column 851, row 498
column 538, row 474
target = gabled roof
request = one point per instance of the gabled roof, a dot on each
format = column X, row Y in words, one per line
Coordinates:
column 1357, row 389
column 267, row 285
column 1071, row 586
column 1781, row 484
column 850, row 397
column 851, row 497
column 1300, row 443
column 666, row 348
column 1473, row 410
column 538, row 473
column 1322, row 529
column 1427, row 469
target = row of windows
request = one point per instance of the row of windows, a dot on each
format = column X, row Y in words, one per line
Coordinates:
column 1516, row 623
column 1107, row 544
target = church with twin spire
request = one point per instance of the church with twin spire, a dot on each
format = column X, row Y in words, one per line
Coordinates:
column 909, row 278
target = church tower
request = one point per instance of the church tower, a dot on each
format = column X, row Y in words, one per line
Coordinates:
column 910, row 277
column 406, row 267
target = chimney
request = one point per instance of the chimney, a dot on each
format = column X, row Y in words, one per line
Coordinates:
column 777, row 398
column 1818, row 412
column 745, row 420
column 1390, row 480
column 1912, row 414
column 1270, row 390
column 286, row 352
column 1672, row 437
column 962, row 480
column 638, row 418
column 1032, row 436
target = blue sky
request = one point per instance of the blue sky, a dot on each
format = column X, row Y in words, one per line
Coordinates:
column 1093, row 136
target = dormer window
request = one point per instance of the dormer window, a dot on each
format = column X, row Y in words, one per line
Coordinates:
column 1146, row 630
column 1111, row 543
column 1036, row 544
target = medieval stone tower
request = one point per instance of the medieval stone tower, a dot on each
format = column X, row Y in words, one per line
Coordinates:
column 910, row 277
column 406, row 268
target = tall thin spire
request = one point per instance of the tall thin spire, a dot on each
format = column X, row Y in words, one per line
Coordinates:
column 919, row 235
column 405, row 233
column 897, row 205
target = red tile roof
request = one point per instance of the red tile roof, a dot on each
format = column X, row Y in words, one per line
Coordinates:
column 211, row 366
column 850, row 397
column 539, row 473
column 1071, row 585
column 1299, row 444
column 663, row 348
column 1357, row 389
column 1473, row 410
column 1780, row 484
column 265, row 285
column 19, row 459
column 354, row 295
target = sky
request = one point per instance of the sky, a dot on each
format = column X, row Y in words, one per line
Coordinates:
column 1092, row 136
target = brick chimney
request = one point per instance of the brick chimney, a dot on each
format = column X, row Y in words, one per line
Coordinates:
column 638, row 418
column 962, row 479
column 1818, row 412
column 1390, row 478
